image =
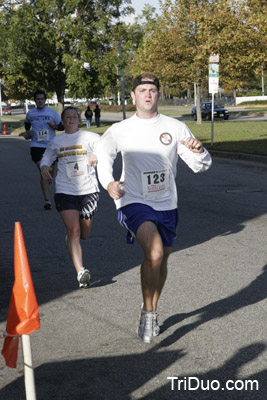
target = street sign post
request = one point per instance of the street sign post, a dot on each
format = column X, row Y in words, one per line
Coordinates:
column 1, row 112
column 214, row 57
column 213, row 86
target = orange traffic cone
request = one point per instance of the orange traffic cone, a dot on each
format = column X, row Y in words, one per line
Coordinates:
column 4, row 132
column 23, row 314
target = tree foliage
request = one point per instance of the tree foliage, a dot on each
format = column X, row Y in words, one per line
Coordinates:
column 177, row 49
column 74, row 44
column 59, row 44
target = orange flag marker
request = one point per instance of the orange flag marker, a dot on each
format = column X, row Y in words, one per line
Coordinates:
column 23, row 314
column 10, row 351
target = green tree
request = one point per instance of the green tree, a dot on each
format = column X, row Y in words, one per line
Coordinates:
column 178, row 47
column 57, row 45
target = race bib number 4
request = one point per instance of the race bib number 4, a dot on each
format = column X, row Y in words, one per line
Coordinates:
column 76, row 170
column 43, row 135
column 155, row 184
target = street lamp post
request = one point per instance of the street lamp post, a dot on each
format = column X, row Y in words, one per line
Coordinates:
column 262, row 80
column 122, row 84
column 121, row 60
column 1, row 111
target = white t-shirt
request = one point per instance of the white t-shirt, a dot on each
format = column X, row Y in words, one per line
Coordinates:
column 74, row 175
column 150, row 150
column 39, row 119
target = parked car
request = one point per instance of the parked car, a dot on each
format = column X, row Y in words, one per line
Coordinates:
column 6, row 110
column 219, row 111
column 93, row 103
column 30, row 106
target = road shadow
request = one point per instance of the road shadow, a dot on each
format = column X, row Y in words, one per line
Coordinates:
column 255, row 292
column 214, row 384
column 131, row 376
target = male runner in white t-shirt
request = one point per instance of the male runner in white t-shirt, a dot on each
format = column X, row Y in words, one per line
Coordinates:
column 146, row 195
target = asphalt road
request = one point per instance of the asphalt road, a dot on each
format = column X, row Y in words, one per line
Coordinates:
column 212, row 311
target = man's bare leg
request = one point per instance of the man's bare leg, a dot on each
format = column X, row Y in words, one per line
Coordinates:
column 162, row 277
column 151, row 279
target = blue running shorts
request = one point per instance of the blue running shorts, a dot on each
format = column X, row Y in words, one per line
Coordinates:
column 86, row 204
column 133, row 215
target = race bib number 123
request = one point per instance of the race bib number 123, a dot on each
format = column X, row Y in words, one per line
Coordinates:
column 155, row 184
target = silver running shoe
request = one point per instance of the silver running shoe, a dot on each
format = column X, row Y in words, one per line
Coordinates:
column 84, row 278
column 144, row 330
column 155, row 324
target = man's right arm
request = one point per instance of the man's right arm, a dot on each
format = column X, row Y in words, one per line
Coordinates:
column 114, row 190
column 28, row 134
column 60, row 127
column 106, row 154
column 27, row 125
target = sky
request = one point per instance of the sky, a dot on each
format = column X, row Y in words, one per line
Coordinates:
column 138, row 5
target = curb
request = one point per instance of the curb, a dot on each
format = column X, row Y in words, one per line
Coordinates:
column 239, row 156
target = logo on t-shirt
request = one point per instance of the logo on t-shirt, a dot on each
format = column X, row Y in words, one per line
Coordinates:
column 165, row 138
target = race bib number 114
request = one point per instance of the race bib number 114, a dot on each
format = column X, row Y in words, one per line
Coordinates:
column 43, row 135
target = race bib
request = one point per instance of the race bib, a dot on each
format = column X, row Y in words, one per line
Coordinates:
column 76, row 170
column 155, row 184
column 43, row 135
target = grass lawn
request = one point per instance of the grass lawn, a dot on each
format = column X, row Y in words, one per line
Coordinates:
column 242, row 137
column 239, row 137
column 231, row 136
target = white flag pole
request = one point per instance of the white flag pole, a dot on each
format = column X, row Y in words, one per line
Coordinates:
column 28, row 368
column 212, row 119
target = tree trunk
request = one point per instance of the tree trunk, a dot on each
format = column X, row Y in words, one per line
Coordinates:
column 60, row 92
column 199, row 117
column 234, row 93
